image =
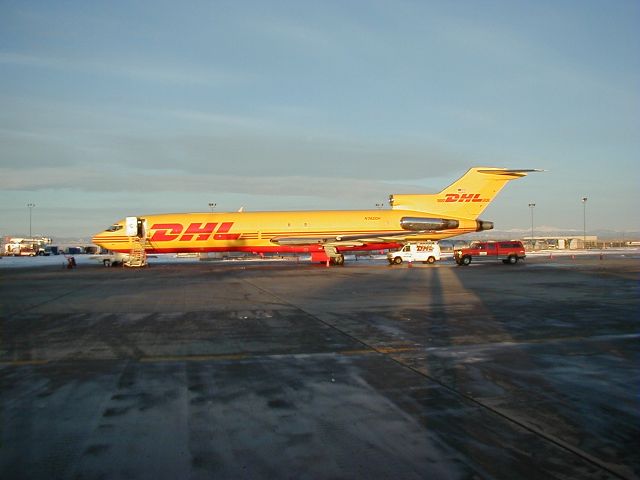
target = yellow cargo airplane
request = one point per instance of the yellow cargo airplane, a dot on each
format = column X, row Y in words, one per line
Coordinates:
column 324, row 234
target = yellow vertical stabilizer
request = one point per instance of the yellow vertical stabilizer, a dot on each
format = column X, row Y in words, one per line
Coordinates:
column 467, row 197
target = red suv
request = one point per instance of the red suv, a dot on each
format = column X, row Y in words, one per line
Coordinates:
column 508, row 252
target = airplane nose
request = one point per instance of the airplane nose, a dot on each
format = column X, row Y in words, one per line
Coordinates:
column 98, row 238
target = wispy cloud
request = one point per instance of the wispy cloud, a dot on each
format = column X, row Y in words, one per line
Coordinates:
column 193, row 141
column 114, row 181
column 142, row 70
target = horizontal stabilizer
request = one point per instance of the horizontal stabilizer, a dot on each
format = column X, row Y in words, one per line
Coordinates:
column 518, row 172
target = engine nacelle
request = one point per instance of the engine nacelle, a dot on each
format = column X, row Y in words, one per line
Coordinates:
column 483, row 225
column 421, row 223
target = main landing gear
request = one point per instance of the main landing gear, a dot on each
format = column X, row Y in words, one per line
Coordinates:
column 330, row 256
column 337, row 260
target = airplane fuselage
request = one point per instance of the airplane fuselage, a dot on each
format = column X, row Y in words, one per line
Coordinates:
column 260, row 232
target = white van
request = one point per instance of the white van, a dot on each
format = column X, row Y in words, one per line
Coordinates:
column 415, row 252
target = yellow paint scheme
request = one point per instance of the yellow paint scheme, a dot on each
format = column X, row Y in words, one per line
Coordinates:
column 257, row 229
column 309, row 231
column 481, row 184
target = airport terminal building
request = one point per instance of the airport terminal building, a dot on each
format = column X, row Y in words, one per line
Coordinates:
column 562, row 242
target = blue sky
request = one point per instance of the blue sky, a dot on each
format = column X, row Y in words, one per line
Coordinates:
column 110, row 109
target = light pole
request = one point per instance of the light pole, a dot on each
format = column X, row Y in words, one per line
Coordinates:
column 584, row 222
column 30, row 206
column 531, row 205
column 212, row 206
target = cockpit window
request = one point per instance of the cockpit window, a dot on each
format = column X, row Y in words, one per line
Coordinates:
column 114, row 228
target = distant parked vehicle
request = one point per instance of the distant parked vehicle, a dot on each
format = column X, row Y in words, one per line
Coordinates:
column 29, row 247
column 52, row 250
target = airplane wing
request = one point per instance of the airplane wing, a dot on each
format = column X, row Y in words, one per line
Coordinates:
column 347, row 240
column 411, row 226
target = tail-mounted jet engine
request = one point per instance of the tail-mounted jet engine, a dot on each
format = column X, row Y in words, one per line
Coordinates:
column 483, row 225
column 417, row 224
column 421, row 223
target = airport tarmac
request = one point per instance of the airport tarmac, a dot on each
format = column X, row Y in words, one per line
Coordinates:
column 293, row 370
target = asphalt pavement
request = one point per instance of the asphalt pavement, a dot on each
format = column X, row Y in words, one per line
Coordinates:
column 293, row 370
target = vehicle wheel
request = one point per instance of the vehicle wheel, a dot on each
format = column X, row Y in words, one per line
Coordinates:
column 397, row 260
column 466, row 260
column 431, row 260
column 512, row 259
column 106, row 262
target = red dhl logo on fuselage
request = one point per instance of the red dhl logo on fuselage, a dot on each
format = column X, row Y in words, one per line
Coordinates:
column 463, row 197
column 168, row 232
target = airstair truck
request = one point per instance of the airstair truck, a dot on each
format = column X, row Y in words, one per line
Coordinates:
column 427, row 252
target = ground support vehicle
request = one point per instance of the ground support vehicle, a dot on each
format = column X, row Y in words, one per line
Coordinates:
column 426, row 252
column 509, row 252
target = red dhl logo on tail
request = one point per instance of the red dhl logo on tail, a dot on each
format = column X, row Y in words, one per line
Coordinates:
column 463, row 197
column 167, row 232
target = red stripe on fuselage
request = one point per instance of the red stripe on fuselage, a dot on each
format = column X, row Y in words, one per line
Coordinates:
column 268, row 249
